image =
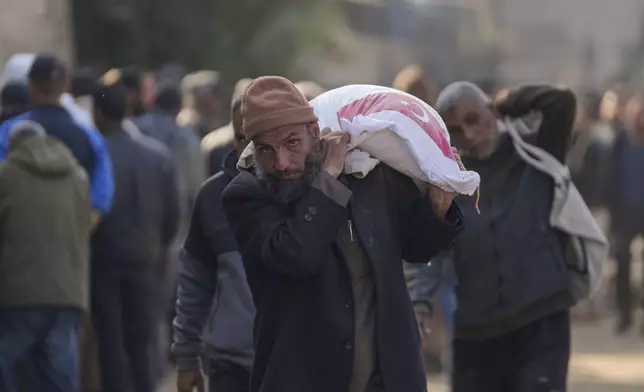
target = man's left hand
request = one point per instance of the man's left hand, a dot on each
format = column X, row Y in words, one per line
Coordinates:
column 441, row 200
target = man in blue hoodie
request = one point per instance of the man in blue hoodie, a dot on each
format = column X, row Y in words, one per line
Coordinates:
column 215, row 308
column 47, row 78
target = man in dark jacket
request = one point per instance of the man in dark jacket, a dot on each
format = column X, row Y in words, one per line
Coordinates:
column 184, row 146
column 127, row 244
column 216, row 144
column 45, row 226
column 324, row 259
column 215, row 307
column 161, row 125
column 47, row 79
column 512, row 326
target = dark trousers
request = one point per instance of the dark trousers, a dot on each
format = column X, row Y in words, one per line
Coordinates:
column 121, row 308
column 622, row 239
column 225, row 376
column 531, row 359
column 47, row 339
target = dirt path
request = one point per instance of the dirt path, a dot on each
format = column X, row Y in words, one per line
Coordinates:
column 601, row 362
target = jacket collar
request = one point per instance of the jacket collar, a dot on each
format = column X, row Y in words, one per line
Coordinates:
column 229, row 164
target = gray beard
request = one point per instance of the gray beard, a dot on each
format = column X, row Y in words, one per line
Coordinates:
column 291, row 190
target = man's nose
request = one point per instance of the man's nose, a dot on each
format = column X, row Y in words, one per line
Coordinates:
column 281, row 161
column 469, row 133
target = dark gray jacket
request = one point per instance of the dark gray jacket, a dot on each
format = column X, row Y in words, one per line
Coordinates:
column 509, row 262
column 215, row 309
column 143, row 220
column 185, row 150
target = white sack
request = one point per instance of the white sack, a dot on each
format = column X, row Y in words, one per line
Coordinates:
column 391, row 127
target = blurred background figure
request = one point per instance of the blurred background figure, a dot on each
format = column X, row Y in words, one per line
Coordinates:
column 589, row 163
column 82, row 86
column 590, row 151
column 430, row 288
column 215, row 308
column 170, row 73
column 412, row 81
column 45, row 223
column 625, row 190
column 148, row 90
column 14, row 100
column 132, row 79
column 309, row 89
column 204, row 110
column 217, row 143
column 161, row 124
column 128, row 245
column 47, row 80
column 184, row 147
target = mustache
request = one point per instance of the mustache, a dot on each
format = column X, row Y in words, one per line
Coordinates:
column 289, row 190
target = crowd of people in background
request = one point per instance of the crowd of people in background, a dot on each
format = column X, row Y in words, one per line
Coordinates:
column 129, row 239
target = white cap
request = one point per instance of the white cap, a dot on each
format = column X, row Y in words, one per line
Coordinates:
column 17, row 68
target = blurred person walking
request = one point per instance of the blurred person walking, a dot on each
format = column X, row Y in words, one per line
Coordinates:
column 128, row 244
column 45, row 223
column 309, row 89
column 323, row 253
column 17, row 70
column 14, row 100
column 625, row 200
column 411, row 80
column 216, row 144
column 512, row 324
column 83, row 84
column 215, row 309
column 589, row 162
column 160, row 124
column 47, row 78
column 204, row 102
column 423, row 281
column 589, row 154
column 73, row 125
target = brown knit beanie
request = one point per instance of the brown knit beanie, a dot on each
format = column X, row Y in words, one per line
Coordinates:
column 271, row 102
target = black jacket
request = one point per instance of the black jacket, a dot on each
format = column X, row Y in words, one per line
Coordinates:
column 144, row 218
column 304, row 326
column 509, row 262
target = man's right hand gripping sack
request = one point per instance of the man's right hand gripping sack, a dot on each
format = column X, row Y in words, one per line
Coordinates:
column 394, row 128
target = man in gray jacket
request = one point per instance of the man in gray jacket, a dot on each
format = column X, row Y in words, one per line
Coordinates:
column 215, row 310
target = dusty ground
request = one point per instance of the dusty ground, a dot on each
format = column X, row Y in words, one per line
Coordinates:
column 601, row 362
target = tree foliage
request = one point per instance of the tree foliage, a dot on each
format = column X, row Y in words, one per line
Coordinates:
column 235, row 37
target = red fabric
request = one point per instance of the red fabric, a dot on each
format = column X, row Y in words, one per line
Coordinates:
column 404, row 104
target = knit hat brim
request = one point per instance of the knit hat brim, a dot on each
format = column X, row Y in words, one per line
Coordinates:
column 280, row 118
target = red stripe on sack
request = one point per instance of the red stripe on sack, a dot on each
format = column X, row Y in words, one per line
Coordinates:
column 406, row 105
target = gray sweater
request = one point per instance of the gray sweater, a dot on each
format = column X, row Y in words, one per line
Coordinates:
column 215, row 309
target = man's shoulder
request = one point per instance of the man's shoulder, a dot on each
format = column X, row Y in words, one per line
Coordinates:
column 221, row 138
column 244, row 185
column 152, row 147
column 213, row 187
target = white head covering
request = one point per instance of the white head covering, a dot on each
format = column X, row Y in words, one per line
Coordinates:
column 17, row 68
